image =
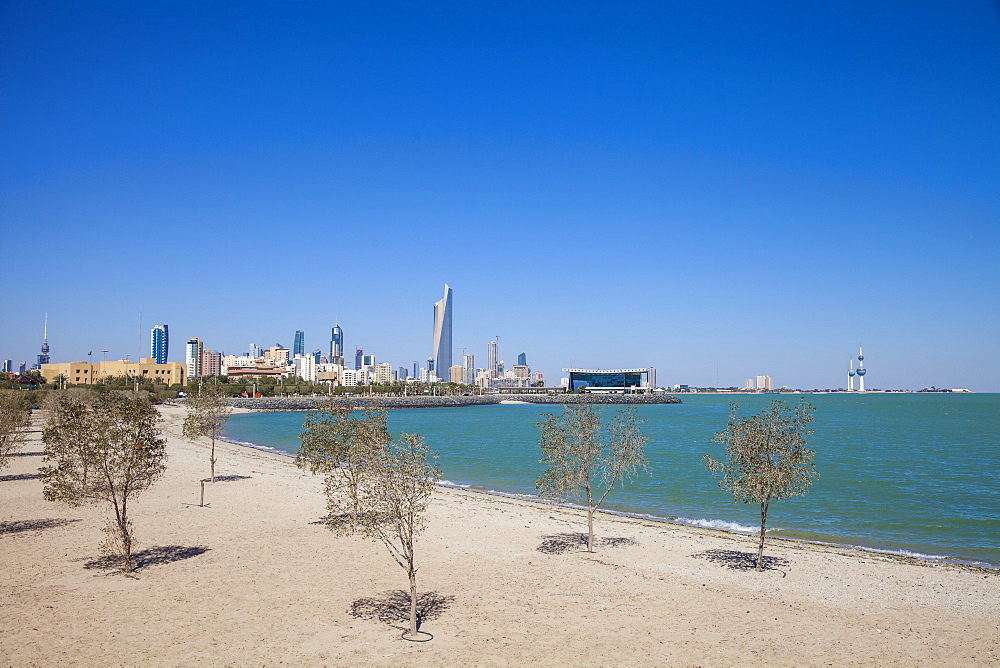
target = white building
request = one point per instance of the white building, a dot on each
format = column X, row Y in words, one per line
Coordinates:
column 765, row 383
column 305, row 367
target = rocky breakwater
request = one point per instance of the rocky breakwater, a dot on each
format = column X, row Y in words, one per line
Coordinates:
column 310, row 403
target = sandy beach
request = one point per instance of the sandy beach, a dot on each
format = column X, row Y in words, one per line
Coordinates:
column 255, row 578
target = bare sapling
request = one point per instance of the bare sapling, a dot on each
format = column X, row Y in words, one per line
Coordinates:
column 584, row 460
column 766, row 458
column 208, row 412
column 398, row 493
column 109, row 451
column 341, row 444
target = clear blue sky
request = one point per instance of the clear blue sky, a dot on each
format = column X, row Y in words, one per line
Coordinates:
column 716, row 189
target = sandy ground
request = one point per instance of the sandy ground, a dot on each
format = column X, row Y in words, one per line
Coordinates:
column 253, row 578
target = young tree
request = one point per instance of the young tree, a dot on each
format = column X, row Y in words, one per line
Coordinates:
column 15, row 413
column 766, row 458
column 108, row 450
column 399, row 490
column 208, row 412
column 585, row 462
column 342, row 444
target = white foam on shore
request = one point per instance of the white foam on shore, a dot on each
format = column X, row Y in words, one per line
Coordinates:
column 719, row 525
column 265, row 448
column 716, row 525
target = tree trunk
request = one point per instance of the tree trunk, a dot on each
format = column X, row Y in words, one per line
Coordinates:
column 763, row 523
column 212, row 459
column 413, row 602
column 590, row 529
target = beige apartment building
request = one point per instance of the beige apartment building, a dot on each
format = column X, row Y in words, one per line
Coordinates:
column 86, row 373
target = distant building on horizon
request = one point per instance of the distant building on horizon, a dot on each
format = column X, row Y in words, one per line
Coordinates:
column 299, row 345
column 765, row 383
column 522, row 359
column 159, row 344
column 8, row 366
column 337, row 345
column 468, row 369
column 442, row 334
column 43, row 357
column 192, row 356
column 211, row 363
column 358, row 357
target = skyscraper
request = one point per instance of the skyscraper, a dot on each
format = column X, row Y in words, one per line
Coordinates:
column 492, row 361
column 159, row 344
column 299, row 346
column 468, row 368
column 43, row 358
column 358, row 354
column 336, row 342
column 522, row 359
column 192, row 356
column 442, row 334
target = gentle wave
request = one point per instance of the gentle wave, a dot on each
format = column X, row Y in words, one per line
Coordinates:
column 248, row 444
column 720, row 525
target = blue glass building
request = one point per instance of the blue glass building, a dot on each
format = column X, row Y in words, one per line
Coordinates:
column 160, row 344
column 299, row 347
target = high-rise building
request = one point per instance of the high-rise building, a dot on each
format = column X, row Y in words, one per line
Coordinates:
column 367, row 360
column 442, row 334
column 8, row 366
column 468, row 368
column 43, row 357
column 211, row 363
column 765, row 383
column 159, row 345
column 522, row 359
column 358, row 354
column 336, row 342
column 416, row 369
column 299, row 345
column 492, row 359
column 192, row 356
column 402, row 373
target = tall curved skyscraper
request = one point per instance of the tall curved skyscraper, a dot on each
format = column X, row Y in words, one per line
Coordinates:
column 442, row 335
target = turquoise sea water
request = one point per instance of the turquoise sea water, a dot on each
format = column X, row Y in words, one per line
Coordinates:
column 910, row 473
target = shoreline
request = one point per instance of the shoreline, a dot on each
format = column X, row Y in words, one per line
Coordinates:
column 702, row 524
column 254, row 577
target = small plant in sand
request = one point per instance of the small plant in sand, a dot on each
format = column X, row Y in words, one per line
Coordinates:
column 394, row 502
column 15, row 414
column 584, row 460
column 766, row 458
column 106, row 450
column 341, row 444
column 208, row 412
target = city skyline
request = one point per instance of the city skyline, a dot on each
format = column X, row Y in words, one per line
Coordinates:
column 715, row 190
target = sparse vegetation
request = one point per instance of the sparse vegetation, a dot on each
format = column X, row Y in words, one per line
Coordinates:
column 584, row 461
column 106, row 450
column 208, row 412
column 15, row 414
column 766, row 458
column 342, row 444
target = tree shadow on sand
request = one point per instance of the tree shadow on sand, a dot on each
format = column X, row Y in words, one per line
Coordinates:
column 229, row 478
column 38, row 453
column 18, row 476
column 17, row 526
column 741, row 561
column 154, row 556
column 561, row 543
column 394, row 606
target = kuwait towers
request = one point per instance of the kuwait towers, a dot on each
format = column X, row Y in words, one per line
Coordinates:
column 442, row 335
column 859, row 372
